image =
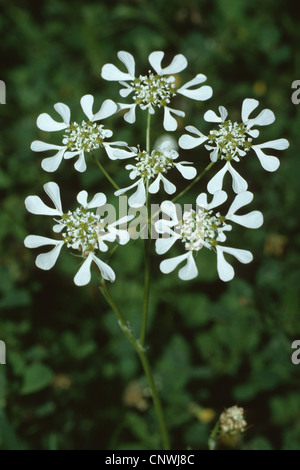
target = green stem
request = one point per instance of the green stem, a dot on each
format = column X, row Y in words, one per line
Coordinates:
column 101, row 167
column 194, row 182
column 144, row 361
column 156, row 400
column 213, row 438
column 147, row 246
column 148, row 133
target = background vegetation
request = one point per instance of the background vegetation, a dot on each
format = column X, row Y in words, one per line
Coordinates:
column 71, row 380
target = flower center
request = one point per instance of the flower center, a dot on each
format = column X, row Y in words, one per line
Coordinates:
column 87, row 136
column 82, row 229
column 231, row 138
column 200, row 227
column 150, row 165
column 153, row 90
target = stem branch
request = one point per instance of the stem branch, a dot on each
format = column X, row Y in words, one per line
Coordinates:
column 102, row 169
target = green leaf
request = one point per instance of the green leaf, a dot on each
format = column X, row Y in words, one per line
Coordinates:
column 37, row 377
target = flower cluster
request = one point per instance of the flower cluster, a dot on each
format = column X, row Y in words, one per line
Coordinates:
column 228, row 142
column 155, row 90
column 82, row 230
column 150, row 169
column 232, row 141
column 232, row 420
column 78, row 138
column 206, row 228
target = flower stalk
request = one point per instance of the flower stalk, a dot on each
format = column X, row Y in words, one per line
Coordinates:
column 144, row 361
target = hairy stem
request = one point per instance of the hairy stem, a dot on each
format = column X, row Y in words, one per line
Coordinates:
column 144, row 361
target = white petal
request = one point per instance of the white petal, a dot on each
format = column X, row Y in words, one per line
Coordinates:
column 102, row 246
column 249, row 104
column 223, row 113
column 82, row 198
column 130, row 115
column 46, row 261
column 98, row 200
column 169, row 208
column 210, row 116
column 201, row 201
column 119, row 192
column 154, row 187
column 278, row 144
column 240, row 200
column 35, row 205
column 46, row 123
column 124, row 92
column 214, row 154
column 169, row 187
column 170, row 123
column 188, row 172
column 155, row 59
column 87, row 102
column 50, row 164
column 265, row 117
column 64, row 111
column 83, row 276
column 35, row 241
column 112, row 73
column 178, row 64
column 106, row 272
column 219, row 198
column 123, row 236
column 200, row 94
column 253, row 133
column 58, row 228
column 128, row 61
column 225, row 270
column 216, row 183
column 80, row 165
column 239, row 184
column 39, row 146
column 53, row 191
column 162, row 245
column 108, row 108
column 121, row 154
column 252, row 220
column 168, row 265
column 268, row 162
column 189, row 142
column 69, row 154
column 189, row 271
column 200, row 78
column 138, row 199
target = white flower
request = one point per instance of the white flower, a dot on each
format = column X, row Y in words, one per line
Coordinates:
column 204, row 228
column 150, row 170
column 81, row 230
column 155, row 90
column 233, row 140
column 78, row 138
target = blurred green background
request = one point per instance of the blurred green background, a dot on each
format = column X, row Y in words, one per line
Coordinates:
column 71, row 380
